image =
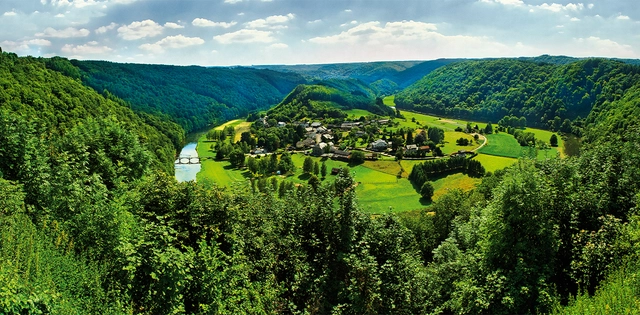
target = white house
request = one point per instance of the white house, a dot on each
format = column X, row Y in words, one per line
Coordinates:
column 379, row 145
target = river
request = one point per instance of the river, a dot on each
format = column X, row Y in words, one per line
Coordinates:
column 187, row 172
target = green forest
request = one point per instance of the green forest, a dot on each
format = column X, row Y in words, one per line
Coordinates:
column 545, row 94
column 328, row 99
column 194, row 97
column 92, row 220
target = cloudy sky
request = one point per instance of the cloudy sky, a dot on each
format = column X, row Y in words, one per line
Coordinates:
column 251, row 32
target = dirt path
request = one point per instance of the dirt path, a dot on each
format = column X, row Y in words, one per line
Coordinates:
column 483, row 144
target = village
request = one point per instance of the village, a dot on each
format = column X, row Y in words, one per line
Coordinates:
column 338, row 141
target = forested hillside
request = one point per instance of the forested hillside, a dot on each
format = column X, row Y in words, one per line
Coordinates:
column 52, row 105
column 490, row 90
column 328, row 98
column 194, row 97
column 92, row 222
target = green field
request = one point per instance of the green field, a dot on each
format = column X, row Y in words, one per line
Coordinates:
column 493, row 163
column 389, row 100
column 502, row 144
column 450, row 145
column 356, row 113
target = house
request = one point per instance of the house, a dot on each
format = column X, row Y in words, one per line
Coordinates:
column 411, row 148
column 322, row 129
column 281, row 124
column 308, row 129
column 346, row 125
column 303, row 124
column 341, row 155
column 425, row 148
column 383, row 121
column 335, row 171
column 379, row 145
column 259, row 151
column 316, row 124
column 319, row 149
column 306, row 143
column 327, row 137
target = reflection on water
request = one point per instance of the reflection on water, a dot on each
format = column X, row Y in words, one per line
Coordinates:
column 187, row 172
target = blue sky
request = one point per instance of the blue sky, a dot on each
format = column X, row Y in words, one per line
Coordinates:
column 250, row 32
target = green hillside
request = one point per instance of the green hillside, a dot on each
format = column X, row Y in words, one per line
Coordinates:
column 490, row 90
column 328, row 98
column 194, row 97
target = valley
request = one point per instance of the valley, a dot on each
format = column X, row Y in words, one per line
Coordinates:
column 480, row 186
column 383, row 185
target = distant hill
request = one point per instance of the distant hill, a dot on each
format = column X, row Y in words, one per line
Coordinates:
column 194, row 97
column 367, row 72
column 328, row 97
column 492, row 89
column 385, row 77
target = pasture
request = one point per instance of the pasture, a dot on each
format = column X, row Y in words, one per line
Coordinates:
column 493, row 163
column 502, row 144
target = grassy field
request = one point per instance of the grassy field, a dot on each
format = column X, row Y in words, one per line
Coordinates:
column 389, row 100
column 454, row 181
column 356, row 113
column 450, row 145
column 545, row 135
column 502, row 144
column 493, row 163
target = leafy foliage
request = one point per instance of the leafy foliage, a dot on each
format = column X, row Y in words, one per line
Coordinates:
column 540, row 92
column 327, row 99
column 194, row 97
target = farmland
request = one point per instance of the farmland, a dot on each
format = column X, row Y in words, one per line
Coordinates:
column 383, row 186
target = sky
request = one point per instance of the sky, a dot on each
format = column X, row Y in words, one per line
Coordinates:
column 260, row 32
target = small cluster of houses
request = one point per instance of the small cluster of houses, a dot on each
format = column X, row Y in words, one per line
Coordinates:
column 414, row 149
column 320, row 138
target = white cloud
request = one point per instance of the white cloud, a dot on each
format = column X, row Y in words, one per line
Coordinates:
column 232, row 1
column 574, row 19
column 354, row 22
column 24, row 45
column 91, row 48
column 556, row 7
column 245, row 36
column 65, row 33
column 272, row 22
column 10, row 13
column 59, row 15
column 314, row 21
column 590, row 6
column 623, row 17
column 104, row 29
column 200, row 22
column 140, row 29
column 347, row 10
column 374, row 32
column 38, row 42
column 173, row 25
column 173, row 42
column 278, row 46
column 597, row 46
